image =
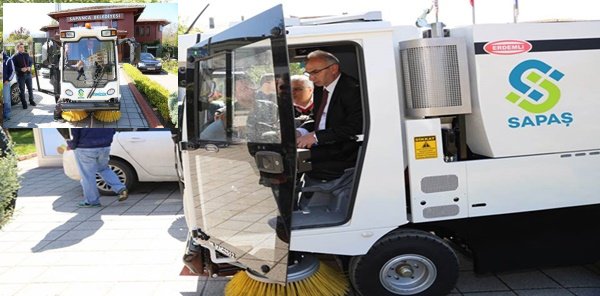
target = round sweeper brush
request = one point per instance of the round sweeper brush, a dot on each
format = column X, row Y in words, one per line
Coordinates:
column 74, row 115
column 307, row 277
column 107, row 116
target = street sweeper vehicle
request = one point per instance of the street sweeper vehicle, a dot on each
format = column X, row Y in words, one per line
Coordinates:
column 480, row 139
column 89, row 74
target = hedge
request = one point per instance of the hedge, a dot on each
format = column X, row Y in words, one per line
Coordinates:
column 154, row 92
column 9, row 181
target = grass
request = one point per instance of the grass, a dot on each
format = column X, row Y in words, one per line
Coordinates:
column 23, row 139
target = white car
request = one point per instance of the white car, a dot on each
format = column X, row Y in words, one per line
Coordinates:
column 142, row 155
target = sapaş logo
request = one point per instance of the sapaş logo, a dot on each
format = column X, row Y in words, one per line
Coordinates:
column 80, row 92
column 528, row 98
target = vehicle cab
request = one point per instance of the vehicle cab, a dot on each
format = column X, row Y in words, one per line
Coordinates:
column 89, row 69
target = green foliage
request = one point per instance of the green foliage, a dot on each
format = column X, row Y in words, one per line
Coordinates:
column 173, row 108
column 170, row 66
column 9, row 184
column 23, row 140
column 296, row 69
column 156, row 94
column 20, row 34
column 183, row 25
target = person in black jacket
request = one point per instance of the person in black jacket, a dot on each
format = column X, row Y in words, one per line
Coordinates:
column 23, row 63
column 92, row 151
column 338, row 118
column 8, row 72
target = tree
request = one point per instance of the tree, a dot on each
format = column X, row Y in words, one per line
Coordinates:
column 183, row 25
column 19, row 34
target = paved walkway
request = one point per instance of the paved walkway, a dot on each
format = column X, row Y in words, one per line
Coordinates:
column 42, row 115
column 166, row 79
column 130, row 248
column 134, row 248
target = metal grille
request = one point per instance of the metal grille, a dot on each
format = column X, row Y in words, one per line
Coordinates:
column 441, row 183
column 435, row 77
column 441, row 211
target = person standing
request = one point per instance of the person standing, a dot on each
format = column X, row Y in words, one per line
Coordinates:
column 8, row 73
column 23, row 63
column 92, row 151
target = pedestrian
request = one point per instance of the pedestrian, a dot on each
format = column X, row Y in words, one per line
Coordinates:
column 8, row 73
column 23, row 63
column 92, row 150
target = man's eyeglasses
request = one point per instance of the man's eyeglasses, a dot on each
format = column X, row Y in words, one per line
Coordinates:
column 315, row 72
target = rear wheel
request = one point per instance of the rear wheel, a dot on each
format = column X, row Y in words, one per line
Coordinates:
column 125, row 173
column 406, row 262
column 14, row 94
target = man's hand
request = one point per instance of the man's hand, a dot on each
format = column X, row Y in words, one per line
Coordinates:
column 306, row 141
column 24, row 69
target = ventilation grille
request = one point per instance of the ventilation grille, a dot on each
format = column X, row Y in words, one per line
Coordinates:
column 435, row 77
column 433, row 184
column 441, row 211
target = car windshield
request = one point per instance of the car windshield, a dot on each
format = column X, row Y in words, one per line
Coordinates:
column 89, row 60
column 147, row 56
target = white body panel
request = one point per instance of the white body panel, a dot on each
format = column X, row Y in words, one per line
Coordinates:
column 437, row 201
column 500, row 128
column 522, row 184
column 382, row 172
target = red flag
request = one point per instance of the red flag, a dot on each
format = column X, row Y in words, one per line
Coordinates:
column 471, row 1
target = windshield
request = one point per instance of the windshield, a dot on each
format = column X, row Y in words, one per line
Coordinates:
column 89, row 61
column 254, row 115
column 147, row 56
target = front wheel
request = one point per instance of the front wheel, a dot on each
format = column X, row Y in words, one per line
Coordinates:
column 14, row 94
column 406, row 262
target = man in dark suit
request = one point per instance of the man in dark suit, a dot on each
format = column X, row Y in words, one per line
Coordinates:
column 23, row 64
column 338, row 118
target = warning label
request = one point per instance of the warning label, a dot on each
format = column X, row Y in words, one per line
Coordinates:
column 425, row 147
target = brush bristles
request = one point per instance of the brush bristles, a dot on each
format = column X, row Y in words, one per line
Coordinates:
column 74, row 115
column 107, row 116
column 325, row 282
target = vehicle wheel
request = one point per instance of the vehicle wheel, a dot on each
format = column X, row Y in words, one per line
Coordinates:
column 125, row 173
column 14, row 94
column 406, row 262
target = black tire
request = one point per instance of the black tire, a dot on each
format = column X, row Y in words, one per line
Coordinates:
column 417, row 263
column 125, row 173
column 14, row 94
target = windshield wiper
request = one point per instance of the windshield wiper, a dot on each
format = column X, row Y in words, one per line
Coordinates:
column 99, row 72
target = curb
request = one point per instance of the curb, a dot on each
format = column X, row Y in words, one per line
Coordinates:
column 27, row 156
column 149, row 115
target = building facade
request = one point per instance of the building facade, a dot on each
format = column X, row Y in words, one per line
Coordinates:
column 124, row 18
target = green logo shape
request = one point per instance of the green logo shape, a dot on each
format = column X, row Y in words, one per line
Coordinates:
column 530, row 98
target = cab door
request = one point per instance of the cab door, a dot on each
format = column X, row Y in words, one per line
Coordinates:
column 238, row 146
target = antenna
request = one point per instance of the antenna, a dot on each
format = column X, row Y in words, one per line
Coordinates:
column 201, row 12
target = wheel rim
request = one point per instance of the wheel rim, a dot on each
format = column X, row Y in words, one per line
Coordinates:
column 14, row 95
column 408, row 274
column 102, row 185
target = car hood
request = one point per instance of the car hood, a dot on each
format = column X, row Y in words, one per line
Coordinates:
column 149, row 61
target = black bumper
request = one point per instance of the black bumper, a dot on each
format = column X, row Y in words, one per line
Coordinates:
column 91, row 106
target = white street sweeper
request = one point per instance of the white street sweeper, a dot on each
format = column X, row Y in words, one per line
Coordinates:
column 90, row 73
column 481, row 138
